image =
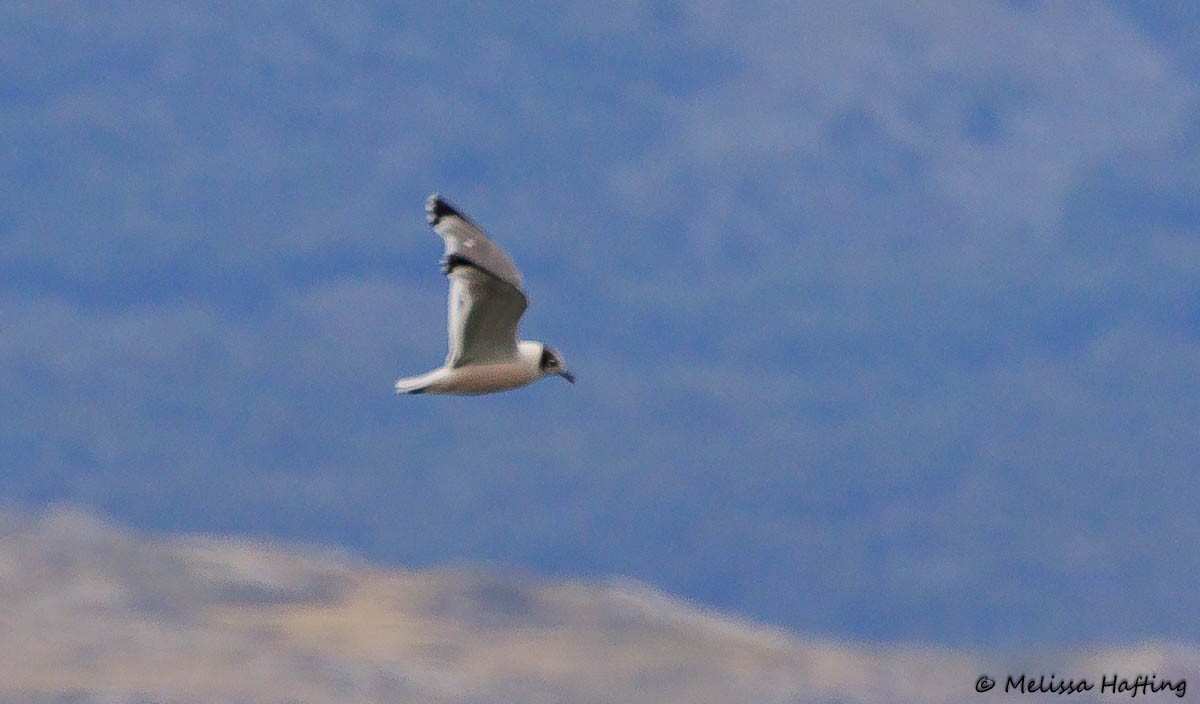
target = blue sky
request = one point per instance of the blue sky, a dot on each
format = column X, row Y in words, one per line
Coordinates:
column 886, row 319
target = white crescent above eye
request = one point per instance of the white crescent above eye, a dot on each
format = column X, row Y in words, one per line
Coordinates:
column 487, row 299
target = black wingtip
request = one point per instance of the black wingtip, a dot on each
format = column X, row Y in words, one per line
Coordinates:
column 436, row 209
column 450, row 262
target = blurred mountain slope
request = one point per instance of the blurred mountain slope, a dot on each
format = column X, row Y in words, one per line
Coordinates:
column 92, row 613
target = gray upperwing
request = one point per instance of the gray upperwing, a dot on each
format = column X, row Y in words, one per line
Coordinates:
column 487, row 297
column 483, row 317
column 463, row 239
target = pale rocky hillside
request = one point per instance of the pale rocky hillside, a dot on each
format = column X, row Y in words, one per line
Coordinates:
column 91, row 613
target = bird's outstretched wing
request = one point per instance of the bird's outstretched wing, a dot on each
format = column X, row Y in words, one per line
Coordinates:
column 486, row 294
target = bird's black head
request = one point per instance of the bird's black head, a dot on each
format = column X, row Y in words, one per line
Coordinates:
column 552, row 363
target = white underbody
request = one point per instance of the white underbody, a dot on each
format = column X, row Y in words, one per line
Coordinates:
column 473, row 379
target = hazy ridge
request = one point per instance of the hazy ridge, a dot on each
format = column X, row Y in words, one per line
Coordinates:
column 93, row 613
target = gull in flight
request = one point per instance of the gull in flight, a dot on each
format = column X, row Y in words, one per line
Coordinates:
column 486, row 303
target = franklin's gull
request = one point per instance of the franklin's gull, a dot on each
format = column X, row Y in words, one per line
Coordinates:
column 486, row 303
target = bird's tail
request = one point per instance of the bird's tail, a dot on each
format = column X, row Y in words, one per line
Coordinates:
column 417, row 384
